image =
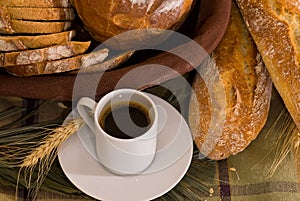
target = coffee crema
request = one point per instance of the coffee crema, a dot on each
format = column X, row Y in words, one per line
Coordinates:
column 125, row 120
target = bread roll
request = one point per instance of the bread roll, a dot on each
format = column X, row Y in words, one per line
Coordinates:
column 227, row 116
column 274, row 26
column 105, row 19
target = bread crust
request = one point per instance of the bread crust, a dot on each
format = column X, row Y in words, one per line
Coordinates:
column 247, row 94
column 36, row 3
column 41, row 14
column 105, row 19
column 42, row 55
column 34, row 27
column 17, row 43
column 58, row 66
column 274, row 26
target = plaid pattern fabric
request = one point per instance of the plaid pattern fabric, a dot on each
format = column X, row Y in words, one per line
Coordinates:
column 244, row 177
column 239, row 178
column 48, row 111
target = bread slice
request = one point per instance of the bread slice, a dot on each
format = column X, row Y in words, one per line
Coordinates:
column 109, row 64
column 17, row 43
column 41, row 55
column 58, row 66
column 227, row 112
column 5, row 21
column 41, row 14
column 34, row 27
column 275, row 27
column 37, row 3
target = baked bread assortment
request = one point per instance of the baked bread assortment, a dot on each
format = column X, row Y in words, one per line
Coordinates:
column 106, row 19
column 228, row 113
column 274, row 26
column 35, row 38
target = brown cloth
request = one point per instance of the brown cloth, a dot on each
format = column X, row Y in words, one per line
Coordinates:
column 212, row 20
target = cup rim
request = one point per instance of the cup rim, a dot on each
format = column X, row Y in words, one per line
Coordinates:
column 106, row 97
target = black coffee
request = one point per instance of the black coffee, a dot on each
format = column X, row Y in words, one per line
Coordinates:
column 125, row 121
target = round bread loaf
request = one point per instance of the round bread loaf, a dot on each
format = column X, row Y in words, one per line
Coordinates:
column 105, row 19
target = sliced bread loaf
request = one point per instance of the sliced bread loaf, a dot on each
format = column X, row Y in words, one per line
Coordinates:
column 37, row 3
column 33, row 27
column 17, row 43
column 58, row 66
column 45, row 54
column 41, row 14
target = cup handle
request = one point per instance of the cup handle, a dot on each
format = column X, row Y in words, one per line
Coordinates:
column 84, row 103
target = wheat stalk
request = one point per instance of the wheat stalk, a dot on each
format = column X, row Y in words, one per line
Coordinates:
column 288, row 140
column 42, row 156
column 52, row 142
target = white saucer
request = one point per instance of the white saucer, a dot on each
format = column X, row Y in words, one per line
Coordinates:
column 78, row 160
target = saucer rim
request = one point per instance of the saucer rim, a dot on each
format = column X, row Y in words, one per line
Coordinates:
column 187, row 156
column 183, row 162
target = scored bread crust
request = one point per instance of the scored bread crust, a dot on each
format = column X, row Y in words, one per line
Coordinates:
column 274, row 26
column 45, row 54
column 247, row 94
column 58, row 66
column 105, row 19
column 17, row 43
column 37, row 3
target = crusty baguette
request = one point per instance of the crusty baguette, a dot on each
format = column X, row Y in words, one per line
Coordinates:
column 34, row 27
column 17, row 43
column 51, row 53
column 290, row 5
column 58, row 66
column 41, row 14
column 274, row 26
column 37, row 3
column 226, row 114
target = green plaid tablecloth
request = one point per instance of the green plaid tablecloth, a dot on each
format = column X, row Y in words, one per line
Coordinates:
column 239, row 178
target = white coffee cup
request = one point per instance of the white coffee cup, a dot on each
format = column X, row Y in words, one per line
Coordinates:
column 119, row 155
